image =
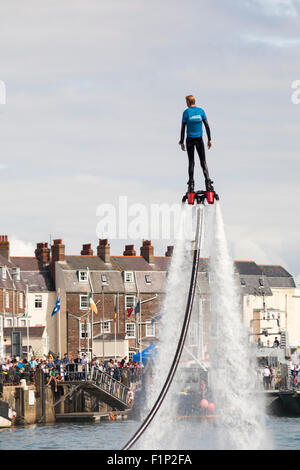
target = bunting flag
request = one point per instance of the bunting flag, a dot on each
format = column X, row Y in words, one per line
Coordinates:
column 115, row 317
column 137, row 308
column 134, row 310
column 156, row 318
column 93, row 305
column 56, row 308
column 129, row 311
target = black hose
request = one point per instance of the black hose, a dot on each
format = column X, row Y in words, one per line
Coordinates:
column 183, row 334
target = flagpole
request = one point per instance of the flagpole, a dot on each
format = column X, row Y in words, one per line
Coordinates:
column 26, row 315
column 115, row 322
column 59, row 332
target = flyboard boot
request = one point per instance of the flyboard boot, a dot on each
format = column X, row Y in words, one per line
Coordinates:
column 210, row 192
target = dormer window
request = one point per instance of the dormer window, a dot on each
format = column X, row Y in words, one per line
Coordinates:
column 148, row 279
column 128, row 276
column 16, row 272
column 82, row 276
column 104, row 279
column 3, row 272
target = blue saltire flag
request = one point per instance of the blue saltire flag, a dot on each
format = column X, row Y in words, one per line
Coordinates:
column 56, row 308
column 156, row 318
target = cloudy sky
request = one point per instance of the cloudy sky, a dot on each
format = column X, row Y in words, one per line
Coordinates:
column 94, row 96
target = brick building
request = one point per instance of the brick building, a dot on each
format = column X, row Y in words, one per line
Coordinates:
column 30, row 285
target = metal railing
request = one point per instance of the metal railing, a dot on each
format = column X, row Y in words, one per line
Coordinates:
column 100, row 378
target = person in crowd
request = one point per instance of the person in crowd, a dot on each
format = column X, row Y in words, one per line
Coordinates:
column 33, row 363
column 53, row 376
column 276, row 343
column 123, row 361
column 130, row 397
column 266, row 377
column 66, row 359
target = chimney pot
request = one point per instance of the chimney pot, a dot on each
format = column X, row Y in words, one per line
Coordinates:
column 169, row 251
column 87, row 249
column 129, row 250
column 42, row 252
column 4, row 247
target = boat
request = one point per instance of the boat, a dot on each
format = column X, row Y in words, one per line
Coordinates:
column 6, row 415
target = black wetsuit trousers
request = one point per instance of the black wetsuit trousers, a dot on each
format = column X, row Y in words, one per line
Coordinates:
column 191, row 143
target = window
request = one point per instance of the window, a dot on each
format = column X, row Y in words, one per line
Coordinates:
column 38, row 301
column 8, row 322
column 104, row 279
column 105, row 327
column 16, row 273
column 130, row 330
column 128, row 276
column 150, row 329
column 23, row 322
column 3, row 272
column 148, row 279
column 129, row 301
column 130, row 355
column 85, row 330
column 21, row 304
column 243, row 282
column 261, row 282
column 84, row 302
column 82, row 276
column 6, row 299
column 193, row 334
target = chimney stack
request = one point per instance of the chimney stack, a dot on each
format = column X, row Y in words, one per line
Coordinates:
column 169, row 251
column 57, row 251
column 129, row 250
column 103, row 250
column 42, row 253
column 4, row 247
column 147, row 251
column 87, row 250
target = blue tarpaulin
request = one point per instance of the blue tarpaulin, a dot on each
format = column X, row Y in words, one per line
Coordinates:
column 146, row 353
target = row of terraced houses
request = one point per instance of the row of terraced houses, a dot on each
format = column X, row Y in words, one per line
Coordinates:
column 29, row 287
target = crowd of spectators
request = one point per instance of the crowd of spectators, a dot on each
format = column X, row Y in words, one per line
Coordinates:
column 68, row 368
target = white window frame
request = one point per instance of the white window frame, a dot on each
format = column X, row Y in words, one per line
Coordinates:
column 23, row 320
column 128, row 276
column 152, row 328
column 81, row 302
column 104, row 279
column 106, row 323
column 130, row 355
column 83, row 276
column 193, row 334
column 6, row 299
column 147, row 278
column 16, row 273
column 82, row 330
column 131, row 324
column 8, row 320
column 128, row 304
column 21, row 300
column 38, row 298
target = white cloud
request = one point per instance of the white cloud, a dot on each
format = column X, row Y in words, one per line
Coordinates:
column 20, row 247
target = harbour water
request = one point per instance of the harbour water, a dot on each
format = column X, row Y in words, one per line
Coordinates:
column 285, row 433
